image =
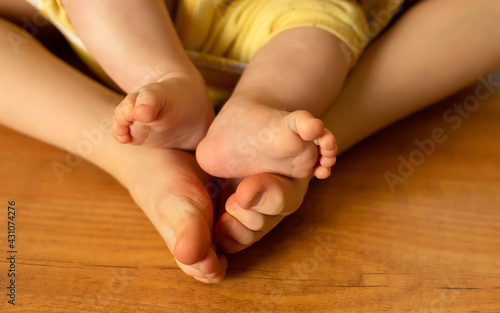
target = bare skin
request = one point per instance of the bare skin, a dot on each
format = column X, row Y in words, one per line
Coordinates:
column 257, row 205
column 167, row 184
column 172, row 194
column 170, row 109
column 268, row 140
column 353, row 116
column 167, row 104
column 166, row 114
column 263, row 128
column 372, row 99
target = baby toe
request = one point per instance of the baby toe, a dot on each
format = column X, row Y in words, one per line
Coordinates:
column 322, row 172
column 123, row 111
column 147, row 106
column 327, row 161
column 123, row 138
column 232, row 228
column 251, row 219
column 327, row 141
column 229, row 245
column 306, row 125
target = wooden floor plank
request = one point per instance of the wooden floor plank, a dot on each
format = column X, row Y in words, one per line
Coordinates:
column 431, row 244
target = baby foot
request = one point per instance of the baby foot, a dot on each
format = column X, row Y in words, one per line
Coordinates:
column 174, row 112
column 247, row 139
column 170, row 188
column 258, row 205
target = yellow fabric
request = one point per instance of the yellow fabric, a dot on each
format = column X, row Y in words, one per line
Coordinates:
column 54, row 11
column 238, row 29
column 225, row 34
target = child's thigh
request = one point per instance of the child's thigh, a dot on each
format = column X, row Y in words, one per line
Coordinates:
column 455, row 32
column 15, row 9
column 433, row 50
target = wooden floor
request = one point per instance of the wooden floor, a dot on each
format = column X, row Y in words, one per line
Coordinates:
column 397, row 228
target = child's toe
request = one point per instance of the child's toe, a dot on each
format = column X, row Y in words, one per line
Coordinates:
column 322, row 172
column 147, row 106
column 306, row 125
column 249, row 218
column 327, row 141
column 123, row 138
column 118, row 129
column 327, row 161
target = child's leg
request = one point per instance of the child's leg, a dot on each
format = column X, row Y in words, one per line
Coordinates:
column 15, row 10
column 136, row 44
column 46, row 99
column 174, row 112
column 437, row 48
column 255, row 132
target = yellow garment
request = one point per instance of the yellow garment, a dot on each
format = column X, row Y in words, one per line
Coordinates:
column 238, row 29
column 225, row 34
column 54, row 11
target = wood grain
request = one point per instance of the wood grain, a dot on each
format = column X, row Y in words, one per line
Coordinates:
column 430, row 245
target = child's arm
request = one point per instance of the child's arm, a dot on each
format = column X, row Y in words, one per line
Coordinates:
column 302, row 68
column 134, row 41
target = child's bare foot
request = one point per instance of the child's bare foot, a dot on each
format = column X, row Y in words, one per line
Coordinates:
column 170, row 188
column 174, row 112
column 247, row 138
column 258, row 205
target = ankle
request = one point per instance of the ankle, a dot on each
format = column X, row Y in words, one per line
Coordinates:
column 116, row 159
column 191, row 75
column 255, row 98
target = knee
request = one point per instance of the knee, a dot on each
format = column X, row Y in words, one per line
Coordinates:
column 31, row 25
column 7, row 27
column 15, row 10
column 13, row 37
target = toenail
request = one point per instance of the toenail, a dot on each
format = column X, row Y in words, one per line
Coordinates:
column 233, row 207
column 210, row 276
column 256, row 200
